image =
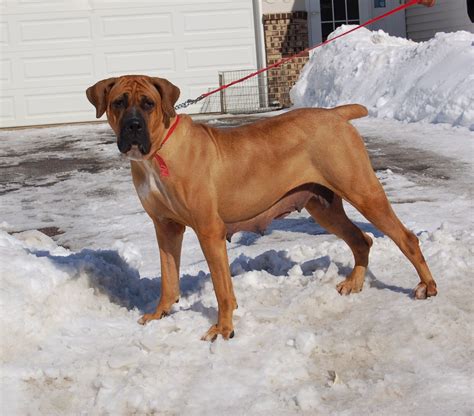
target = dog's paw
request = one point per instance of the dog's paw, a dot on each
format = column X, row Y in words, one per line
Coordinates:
column 163, row 309
column 151, row 316
column 423, row 291
column 352, row 283
column 215, row 330
column 349, row 285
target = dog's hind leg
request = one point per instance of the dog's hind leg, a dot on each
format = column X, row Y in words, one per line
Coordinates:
column 370, row 200
column 351, row 176
column 334, row 219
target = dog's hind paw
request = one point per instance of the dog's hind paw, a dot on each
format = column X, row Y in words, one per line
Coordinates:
column 423, row 291
column 214, row 331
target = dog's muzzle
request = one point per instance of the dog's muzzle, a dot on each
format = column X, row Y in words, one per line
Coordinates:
column 134, row 135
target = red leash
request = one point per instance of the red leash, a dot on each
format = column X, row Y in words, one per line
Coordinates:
column 164, row 171
column 303, row 52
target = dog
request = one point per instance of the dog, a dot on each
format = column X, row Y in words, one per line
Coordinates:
column 220, row 181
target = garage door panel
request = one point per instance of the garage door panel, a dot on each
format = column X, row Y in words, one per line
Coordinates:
column 42, row 6
column 219, row 58
column 142, row 62
column 216, row 22
column 111, row 4
column 66, row 67
column 6, row 72
column 7, row 109
column 137, row 26
column 48, row 31
column 43, row 3
column 50, row 104
column 61, row 67
column 55, row 30
column 4, row 35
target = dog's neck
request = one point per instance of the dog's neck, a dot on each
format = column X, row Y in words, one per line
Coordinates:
column 162, row 166
column 170, row 131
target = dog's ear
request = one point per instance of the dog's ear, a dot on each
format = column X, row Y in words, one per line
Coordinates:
column 169, row 95
column 98, row 95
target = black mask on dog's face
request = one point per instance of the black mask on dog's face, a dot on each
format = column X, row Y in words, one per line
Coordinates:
column 138, row 108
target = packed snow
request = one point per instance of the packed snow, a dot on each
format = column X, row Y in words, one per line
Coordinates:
column 69, row 304
column 393, row 77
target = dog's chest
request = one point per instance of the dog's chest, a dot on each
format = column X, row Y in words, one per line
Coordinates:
column 151, row 190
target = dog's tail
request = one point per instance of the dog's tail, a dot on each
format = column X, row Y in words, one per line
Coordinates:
column 351, row 111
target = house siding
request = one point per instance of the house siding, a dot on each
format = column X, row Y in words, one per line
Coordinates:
column 446, row 16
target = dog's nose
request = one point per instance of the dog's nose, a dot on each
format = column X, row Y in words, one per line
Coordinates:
column 134, row 126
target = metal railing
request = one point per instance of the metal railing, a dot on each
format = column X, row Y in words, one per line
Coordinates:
column 265, row 92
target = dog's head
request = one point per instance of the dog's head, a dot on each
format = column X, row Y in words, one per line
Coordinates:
column 139, row 109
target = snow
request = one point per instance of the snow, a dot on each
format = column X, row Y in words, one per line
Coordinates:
column 396, row 78
column 74, row 347
column 70, row 341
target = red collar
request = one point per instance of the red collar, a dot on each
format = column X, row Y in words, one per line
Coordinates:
column 164, row 171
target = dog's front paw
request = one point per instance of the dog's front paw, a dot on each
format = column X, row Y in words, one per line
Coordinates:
column 158, row 314
column 353, row 283
column 215, row 330
column 163, row 309
column 151, row 316
column 348, row 286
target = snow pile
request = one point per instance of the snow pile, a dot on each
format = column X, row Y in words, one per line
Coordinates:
column 393, row 77
column 72, row 348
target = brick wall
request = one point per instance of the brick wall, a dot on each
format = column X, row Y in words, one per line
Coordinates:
column 285, row 34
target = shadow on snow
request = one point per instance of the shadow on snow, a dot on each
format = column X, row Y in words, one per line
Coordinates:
column 111, row 275
column 298, row 225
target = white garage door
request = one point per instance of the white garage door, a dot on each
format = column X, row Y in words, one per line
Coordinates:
column 51, row 50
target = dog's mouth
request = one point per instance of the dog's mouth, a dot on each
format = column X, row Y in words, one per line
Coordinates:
column 135, row 152
column 134, row 146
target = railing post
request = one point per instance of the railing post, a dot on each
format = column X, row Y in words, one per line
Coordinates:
column 222, row 92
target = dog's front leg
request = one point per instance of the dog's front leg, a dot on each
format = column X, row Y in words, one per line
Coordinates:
column 170, row 238
column 213, row 244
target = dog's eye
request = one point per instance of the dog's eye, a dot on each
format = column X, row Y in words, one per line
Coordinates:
column 147, row 104
column 119, row 103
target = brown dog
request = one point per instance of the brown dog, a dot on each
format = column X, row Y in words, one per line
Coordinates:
column 219, row 181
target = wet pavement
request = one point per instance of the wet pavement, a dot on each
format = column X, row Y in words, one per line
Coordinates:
column 420, row 165
column 51, row 155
